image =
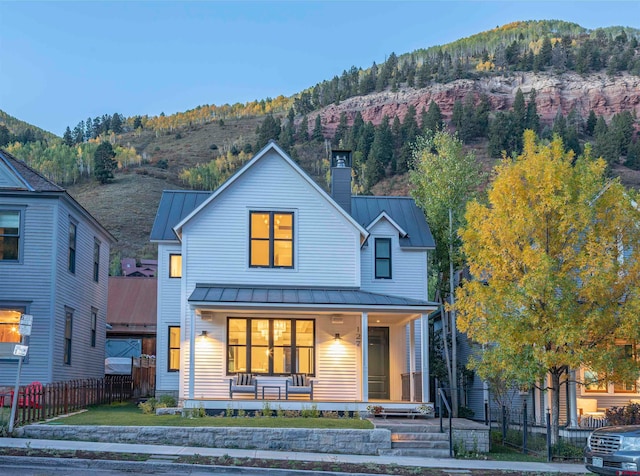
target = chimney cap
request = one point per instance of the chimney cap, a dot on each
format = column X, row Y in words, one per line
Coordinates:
column 340, row 158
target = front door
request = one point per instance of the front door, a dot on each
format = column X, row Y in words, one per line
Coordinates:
column 379, row 363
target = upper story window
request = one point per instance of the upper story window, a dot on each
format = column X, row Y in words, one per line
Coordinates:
column 9, row 235
column 96, row 260
column 72, row 247
column 383, row 258
column 94, row 326
column 175, row 266
column 271, row 242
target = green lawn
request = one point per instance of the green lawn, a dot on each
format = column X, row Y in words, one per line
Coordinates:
column 129, row 415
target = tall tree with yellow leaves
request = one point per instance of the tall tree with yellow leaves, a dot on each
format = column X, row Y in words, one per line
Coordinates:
column 554, row 255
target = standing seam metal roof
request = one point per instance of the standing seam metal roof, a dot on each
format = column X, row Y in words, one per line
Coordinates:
column 174, row 206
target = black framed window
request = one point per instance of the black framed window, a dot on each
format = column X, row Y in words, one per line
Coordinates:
column 270, row 346
column 173, row 362
column 73, row 229
column 9, row 235
column 271, row 239
column 9, row 323
column 96, row 260
column 94, row 326
column 383, row 258
column 68, row 327
column 175, row 266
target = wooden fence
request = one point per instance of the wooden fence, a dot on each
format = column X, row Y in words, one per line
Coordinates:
column 38, row 402
column 143, row 372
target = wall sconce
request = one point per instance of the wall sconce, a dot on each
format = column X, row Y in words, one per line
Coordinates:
column 204, row 334
column 337, row 337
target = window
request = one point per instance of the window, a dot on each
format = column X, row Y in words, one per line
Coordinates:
column 94, row 326
column 175, row 266
column 271, row 243
column 383, row 258
column 96, row 260
column 9, row 323
column 174, row 349
column 72, row 247
column 270, row 346
column 9, row 235
column 68, row 324
column 594, row 383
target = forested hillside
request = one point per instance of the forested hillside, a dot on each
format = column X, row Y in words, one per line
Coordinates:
column 550, row 76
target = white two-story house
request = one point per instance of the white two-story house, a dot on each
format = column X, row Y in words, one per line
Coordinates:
column 271, row 276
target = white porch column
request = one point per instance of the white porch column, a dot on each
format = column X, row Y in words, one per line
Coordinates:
column 424, row 343
column 573, row 410
column 412, row 360
column 192, row 352
column 364, row 325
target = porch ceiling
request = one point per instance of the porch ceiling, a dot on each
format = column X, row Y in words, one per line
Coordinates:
column 264, row 297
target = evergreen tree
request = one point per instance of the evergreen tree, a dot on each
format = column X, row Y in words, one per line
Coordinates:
column 137, row 122
column 104, row 163
column 532, row 118
column 5, row 135
column 303, row 129
column 591, row 123
column 457, row 115
column 78, row 133
column 269, row 130
column 317, row 134
column 67, row 137
column 432, row 121
column 341, row 130
column 380, row 155
column 116, row 123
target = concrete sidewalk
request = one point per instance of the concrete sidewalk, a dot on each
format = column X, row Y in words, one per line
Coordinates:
column 164, row 451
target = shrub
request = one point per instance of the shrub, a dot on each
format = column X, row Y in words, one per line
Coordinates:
column 627, row 415
column 465, row 412
column 178, row 136
column 213, row 147
column 312, row 412
column 291, row 413
column 168, row 400
column 329, row 414
column 148, row 406
column 162, row 164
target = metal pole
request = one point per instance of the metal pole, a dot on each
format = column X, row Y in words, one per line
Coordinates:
column 549, row 454
column 14, row 403
column 524, row 428
column 504, row 424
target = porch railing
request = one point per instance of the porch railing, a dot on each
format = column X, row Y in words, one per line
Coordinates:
column 442, row 398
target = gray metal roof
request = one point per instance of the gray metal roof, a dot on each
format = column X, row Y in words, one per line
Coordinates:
column 177, row 204
column 174, row 206
column 403, row 210
column 238, row 295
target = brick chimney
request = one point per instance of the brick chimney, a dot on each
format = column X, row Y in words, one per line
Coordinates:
column 341, row 178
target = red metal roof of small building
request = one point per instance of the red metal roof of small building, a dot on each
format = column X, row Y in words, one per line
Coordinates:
column 132, row 304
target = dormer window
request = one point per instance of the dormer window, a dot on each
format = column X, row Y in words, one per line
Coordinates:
column 383, row 258
column 271, row 240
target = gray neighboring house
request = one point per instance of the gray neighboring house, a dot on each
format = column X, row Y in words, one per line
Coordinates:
column 54, row 265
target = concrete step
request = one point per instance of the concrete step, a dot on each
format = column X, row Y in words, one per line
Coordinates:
column 420, row 444
column 400, row 428
column 420, row 437
column 420, row 452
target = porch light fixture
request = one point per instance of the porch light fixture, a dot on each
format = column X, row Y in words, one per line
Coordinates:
column 337, row 337
column 204, row 334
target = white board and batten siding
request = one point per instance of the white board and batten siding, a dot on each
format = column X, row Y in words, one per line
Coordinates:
column 169, row 313
column 216, row 240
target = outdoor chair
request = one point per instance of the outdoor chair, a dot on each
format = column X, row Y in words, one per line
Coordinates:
column 243, row 383
column 298, row 384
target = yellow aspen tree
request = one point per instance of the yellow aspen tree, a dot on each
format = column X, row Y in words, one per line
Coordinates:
column 554, row 258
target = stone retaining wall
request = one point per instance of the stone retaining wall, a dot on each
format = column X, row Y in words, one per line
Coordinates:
column 472, row 440
column 365, row 442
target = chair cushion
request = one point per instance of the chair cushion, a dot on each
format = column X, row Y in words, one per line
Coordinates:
column 298, row 380
column 244, row 379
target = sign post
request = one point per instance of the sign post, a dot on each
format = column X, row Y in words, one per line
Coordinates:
column 20, row 351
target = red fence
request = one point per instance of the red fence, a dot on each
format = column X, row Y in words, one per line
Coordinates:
column 37, row 402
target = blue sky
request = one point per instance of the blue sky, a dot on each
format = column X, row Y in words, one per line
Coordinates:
column 61, row 62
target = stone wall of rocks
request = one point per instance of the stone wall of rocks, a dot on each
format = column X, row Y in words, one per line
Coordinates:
column 476, row 441
column 365, row 442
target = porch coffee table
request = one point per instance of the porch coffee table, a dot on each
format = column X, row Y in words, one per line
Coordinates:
column 272, row 387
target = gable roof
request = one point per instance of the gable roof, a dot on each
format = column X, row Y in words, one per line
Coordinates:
column 174, row 206
column 24, row 176
column 404, row 212
column 272, row 146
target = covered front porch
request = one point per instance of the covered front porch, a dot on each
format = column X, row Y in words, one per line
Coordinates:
column 353, row 345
